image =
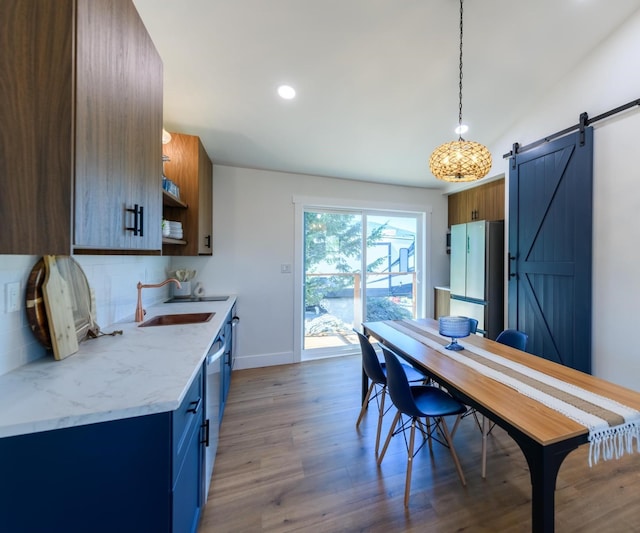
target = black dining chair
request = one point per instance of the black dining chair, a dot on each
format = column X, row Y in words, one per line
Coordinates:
column 415, row 402
column 377, row 373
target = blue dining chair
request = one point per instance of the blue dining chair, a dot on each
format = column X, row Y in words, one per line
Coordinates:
column 377, row 373
column 514, row 338
column 518, row 340
column 415, row 402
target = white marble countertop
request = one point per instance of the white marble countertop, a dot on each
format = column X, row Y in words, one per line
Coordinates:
column 144, row 371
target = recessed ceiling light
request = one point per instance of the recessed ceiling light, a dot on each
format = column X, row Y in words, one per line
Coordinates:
column 287, row 92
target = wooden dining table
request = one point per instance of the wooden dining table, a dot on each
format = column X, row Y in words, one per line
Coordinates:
column 544, row 435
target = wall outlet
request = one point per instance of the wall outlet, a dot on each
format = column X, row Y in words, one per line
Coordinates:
column 12, row 291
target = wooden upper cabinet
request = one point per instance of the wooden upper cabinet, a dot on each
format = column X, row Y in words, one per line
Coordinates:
column 485, row 202
column 82, row 99
column 191, row 169
column 118, row 129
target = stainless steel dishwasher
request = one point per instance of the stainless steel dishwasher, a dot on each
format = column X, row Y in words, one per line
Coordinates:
column 212, row 407
column 219, row 363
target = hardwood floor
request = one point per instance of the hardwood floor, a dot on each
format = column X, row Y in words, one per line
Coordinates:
column 290, row 459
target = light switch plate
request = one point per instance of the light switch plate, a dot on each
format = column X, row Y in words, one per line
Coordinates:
column 12, row 291
column 285, row 268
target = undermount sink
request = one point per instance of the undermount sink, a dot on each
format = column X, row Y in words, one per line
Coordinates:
column 178, row 319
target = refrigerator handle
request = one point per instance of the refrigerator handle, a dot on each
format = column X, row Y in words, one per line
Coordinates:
column 512, row 274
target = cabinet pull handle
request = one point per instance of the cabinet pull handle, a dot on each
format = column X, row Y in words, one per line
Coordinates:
column 138, row 220
column 135, row 219
column 206, row 426
column 207, row 241
column 195, row 408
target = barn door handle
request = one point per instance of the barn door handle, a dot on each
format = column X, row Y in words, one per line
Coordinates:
column 512, row 274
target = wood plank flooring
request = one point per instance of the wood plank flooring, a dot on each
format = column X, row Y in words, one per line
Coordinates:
column 290, row 459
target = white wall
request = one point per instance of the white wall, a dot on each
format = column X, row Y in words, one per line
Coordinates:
column 608, row 79
column 254, row 234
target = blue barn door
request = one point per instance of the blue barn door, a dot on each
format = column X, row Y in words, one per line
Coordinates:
column 550, row 248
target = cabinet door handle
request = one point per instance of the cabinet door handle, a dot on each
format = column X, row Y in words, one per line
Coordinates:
column 195, row 408
column 206, row 426
column 207, row 241
column 141, row 219
column 138, row 220
column 135, row 219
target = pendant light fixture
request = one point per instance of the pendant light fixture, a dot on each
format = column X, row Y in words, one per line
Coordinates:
column 460, row 160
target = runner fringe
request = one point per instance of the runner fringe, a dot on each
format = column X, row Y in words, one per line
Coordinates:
column 613, row 442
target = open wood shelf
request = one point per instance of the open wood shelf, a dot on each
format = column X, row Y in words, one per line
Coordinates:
column 172, row 201
column 167, row 240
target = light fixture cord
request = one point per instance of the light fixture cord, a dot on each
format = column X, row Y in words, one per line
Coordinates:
column 460, row 85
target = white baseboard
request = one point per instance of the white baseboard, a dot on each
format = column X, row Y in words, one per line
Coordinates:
column 262, row 360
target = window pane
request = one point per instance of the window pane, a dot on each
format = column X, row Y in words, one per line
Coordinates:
column 332, row 259
column 391, row 275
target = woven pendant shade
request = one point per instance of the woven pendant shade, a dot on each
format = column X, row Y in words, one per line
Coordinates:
column 459, row 161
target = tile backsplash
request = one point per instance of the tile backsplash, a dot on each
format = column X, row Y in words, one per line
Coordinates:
column 113, row 280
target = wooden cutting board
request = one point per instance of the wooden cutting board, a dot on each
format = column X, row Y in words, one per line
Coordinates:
column 57, row 300
column 82, row 303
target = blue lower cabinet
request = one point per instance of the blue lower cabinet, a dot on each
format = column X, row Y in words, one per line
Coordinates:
column 186, row 489
column 112, row 476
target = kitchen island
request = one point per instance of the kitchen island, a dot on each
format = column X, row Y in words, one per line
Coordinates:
column 111, row 438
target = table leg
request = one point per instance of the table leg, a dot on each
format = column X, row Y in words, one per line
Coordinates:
column 544, row 464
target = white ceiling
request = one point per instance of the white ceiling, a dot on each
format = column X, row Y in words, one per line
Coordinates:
column 377, row 80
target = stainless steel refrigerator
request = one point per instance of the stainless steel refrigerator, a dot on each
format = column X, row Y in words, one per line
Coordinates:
column 477, row 274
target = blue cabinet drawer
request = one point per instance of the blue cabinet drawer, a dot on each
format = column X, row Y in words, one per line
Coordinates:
column 188, row 418
column 186, row 499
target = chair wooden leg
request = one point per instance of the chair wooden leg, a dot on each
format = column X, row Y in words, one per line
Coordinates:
column 407, row 484
column 386, row 443
column 454, row 455
column 455, row 426
column 429, row 433
column 365, row 404
column 380, row 416
column 484, row 446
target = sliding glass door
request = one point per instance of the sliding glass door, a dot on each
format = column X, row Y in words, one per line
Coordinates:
column 358, row 266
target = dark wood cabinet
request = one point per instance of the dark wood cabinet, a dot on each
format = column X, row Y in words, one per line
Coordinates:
column 485, row 202
column 130, row 475
column 82, row 114
column 191, row 169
